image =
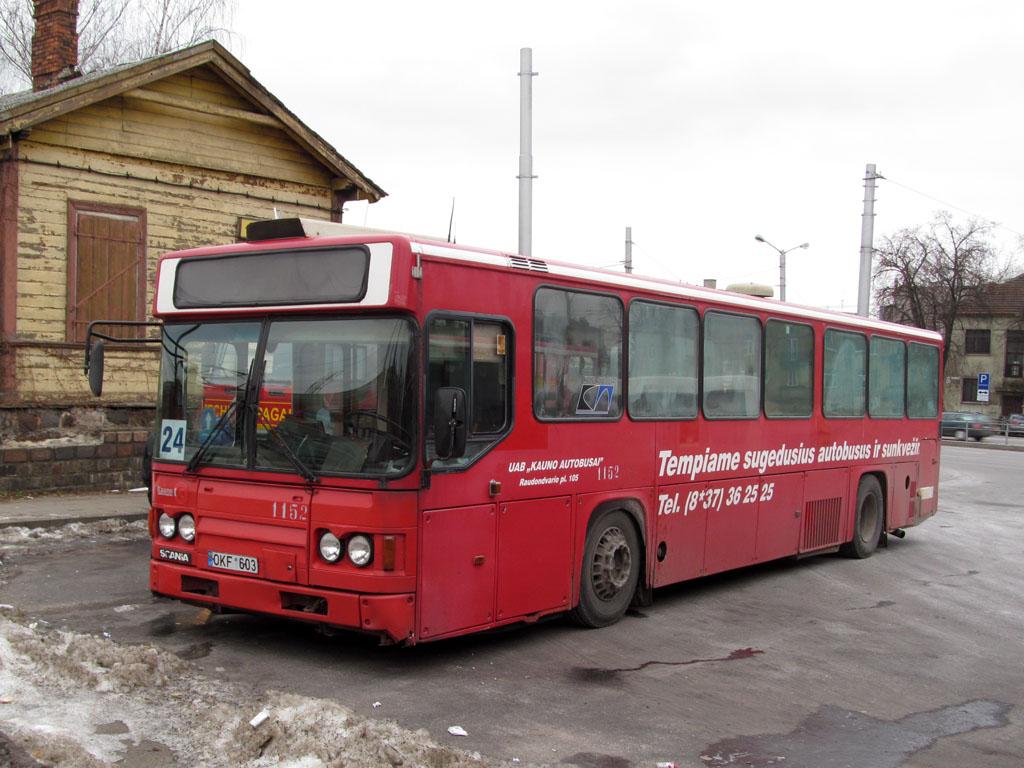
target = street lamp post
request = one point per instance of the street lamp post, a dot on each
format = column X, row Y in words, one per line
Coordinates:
column 782, row 263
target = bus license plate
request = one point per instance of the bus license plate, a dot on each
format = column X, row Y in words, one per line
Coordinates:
column 227, row 562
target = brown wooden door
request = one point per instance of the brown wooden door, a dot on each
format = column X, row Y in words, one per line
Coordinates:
column 107, row 272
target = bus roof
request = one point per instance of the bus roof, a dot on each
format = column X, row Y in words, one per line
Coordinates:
column 267, row 231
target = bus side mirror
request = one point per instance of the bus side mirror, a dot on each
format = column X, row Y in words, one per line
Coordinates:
column 96, row 368
column 450, row 422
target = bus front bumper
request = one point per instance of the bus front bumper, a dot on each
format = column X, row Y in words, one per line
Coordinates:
column 390, row 616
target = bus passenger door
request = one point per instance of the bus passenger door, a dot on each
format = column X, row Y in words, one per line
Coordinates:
column 457, row 568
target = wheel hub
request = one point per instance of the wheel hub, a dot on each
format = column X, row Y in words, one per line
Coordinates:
column 612, row 564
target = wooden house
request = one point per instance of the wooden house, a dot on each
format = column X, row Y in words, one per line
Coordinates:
column 99, row 175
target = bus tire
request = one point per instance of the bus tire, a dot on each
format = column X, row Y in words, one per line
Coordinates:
column 611, row 569
column 867, row 525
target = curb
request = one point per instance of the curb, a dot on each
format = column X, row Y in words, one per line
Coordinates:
column 948, row 441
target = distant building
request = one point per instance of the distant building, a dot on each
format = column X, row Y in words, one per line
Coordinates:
column 989, row 338
column 99, row 175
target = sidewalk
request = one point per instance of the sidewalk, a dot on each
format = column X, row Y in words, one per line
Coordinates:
column 53, row 511
column 992, row 443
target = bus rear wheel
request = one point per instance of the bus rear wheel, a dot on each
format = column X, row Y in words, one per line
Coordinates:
column 867, row 526
column 611, row 569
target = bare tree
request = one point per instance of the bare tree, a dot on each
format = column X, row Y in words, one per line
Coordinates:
column 927, row 275
column 112, row 32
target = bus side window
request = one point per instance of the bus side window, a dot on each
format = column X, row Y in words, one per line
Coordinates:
column 732, row 366
column 577, row 355
column 922, row 381
column 844, row 374
column 473, row 354
column 887, row 364
column 662, row 361
column 788, row 370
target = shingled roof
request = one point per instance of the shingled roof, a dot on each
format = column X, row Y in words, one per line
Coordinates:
column 21, row 111
column 1006, row 299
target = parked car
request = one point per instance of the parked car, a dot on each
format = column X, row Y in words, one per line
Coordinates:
column 1015, row 423
column 961, row 425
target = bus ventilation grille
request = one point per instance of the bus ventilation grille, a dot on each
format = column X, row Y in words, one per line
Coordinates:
column 821, row 523
column 534, row 265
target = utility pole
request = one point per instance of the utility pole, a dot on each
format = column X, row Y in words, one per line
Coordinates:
column 782, row 262
column 867, row 235
column 526, row 177
column 629, row 250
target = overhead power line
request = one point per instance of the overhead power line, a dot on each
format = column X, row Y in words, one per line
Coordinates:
column 991, row 221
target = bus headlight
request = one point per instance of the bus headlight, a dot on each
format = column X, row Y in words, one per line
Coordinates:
column 166, row 525
column 330, row 547
column 360, row 550
column 187, row 527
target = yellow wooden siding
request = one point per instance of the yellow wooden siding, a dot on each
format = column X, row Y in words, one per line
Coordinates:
column 48, row 375
column 142, row 129
column 204, row 84
column 113, row 169
column 201, row 83
column 177, row 217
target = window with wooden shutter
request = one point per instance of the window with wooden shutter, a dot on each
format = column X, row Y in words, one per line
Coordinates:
column 106, row 265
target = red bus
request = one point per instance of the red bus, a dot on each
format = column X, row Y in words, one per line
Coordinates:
column 425, row 439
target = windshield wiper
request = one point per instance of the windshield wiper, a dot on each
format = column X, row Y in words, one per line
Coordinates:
column 217, row 429
column 296, row 462
column 252, row 403
column 219, row 426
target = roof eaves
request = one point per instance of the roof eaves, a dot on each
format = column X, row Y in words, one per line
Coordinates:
column 96, row 86
column 73, row 94
column 299, row 131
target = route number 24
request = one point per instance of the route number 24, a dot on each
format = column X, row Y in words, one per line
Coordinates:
column 172, row 439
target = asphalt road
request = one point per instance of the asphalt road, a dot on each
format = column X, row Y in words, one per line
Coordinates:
column 909, row 658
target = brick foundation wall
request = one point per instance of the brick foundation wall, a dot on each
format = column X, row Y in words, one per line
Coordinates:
column 113, row 463
column 47, row 449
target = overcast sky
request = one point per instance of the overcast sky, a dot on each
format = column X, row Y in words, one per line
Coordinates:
column 698, row 124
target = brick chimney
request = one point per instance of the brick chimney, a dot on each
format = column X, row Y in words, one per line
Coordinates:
column 55, row 42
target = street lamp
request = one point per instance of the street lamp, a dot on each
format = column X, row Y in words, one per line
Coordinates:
column 782, row 263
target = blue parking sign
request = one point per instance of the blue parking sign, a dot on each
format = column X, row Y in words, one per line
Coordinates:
column 982, row 387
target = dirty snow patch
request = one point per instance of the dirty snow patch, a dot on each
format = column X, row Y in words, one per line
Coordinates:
column 80, row 701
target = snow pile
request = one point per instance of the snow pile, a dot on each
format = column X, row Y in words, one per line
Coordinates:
column 110, row 529
column 75, row 700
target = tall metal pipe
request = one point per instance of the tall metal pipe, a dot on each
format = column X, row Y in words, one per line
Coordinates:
column 526, row 177
column 867, row 234
column 629, row 250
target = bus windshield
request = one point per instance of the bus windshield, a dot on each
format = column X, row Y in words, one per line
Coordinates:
column 313, row 396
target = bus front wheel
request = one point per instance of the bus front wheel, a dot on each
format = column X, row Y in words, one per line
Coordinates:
column 611, row 569
column 867, row 526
